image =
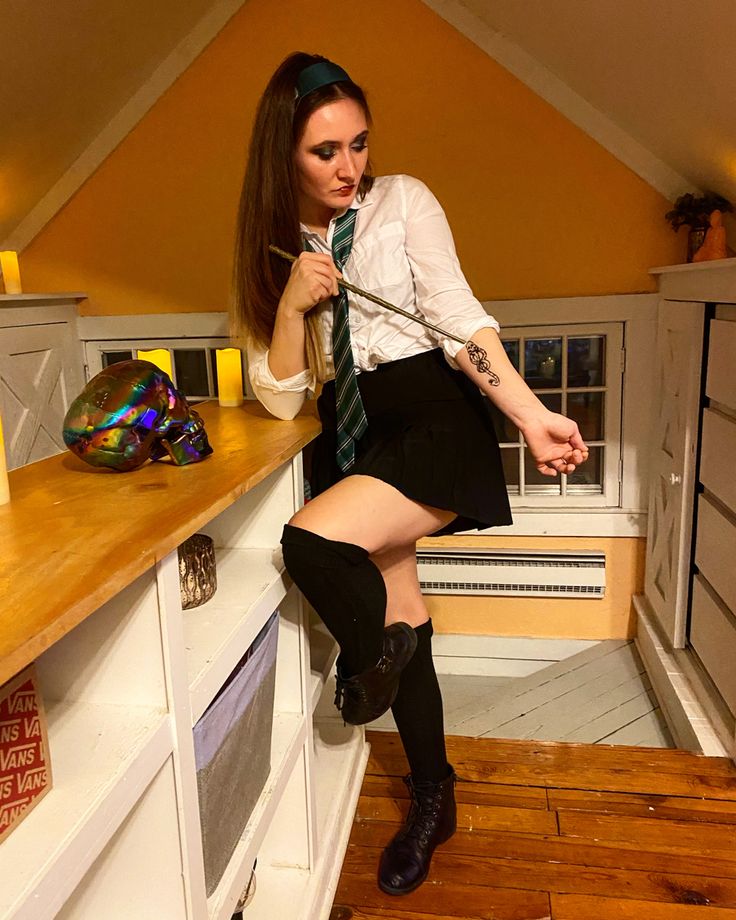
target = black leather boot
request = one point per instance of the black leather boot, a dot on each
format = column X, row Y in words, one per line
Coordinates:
column 367, row 696
column 431, row 821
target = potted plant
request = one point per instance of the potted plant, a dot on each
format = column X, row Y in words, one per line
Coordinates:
column 694, row 211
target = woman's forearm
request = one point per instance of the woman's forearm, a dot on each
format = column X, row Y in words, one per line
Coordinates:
column 499, row 379
column 287, row 354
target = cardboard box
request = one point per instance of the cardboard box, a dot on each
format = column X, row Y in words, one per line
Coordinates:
column 25, row 767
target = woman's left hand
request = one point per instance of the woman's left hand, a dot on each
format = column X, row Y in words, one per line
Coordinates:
column 555, row 442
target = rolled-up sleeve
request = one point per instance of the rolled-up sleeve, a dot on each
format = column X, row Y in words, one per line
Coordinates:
column 443, row 294
column 282, row 398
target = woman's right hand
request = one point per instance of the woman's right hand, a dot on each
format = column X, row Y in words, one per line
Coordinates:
column 313, row 279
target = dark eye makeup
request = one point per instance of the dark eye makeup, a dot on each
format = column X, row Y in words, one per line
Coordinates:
column 327, row 150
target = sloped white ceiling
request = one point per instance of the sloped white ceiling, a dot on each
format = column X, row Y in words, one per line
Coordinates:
column 663, row 70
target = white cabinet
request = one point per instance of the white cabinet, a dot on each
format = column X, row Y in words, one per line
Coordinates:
column 118, row 835
column 41, row 371
column 687, row 617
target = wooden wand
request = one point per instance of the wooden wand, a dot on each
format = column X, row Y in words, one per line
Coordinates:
column 478, row 356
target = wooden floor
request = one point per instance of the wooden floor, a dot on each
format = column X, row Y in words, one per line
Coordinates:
column 554, row 830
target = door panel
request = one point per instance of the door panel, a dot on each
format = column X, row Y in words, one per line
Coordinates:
column 669, row 536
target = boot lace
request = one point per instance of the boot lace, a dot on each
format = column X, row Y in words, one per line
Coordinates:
column 423, row 813
column 346, row 689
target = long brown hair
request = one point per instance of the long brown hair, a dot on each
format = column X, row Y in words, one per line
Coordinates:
column 269, row 209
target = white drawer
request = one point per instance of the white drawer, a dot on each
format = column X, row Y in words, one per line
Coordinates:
column 714, row 550
column 717, row 456
column 721, row 382
column 713, row 636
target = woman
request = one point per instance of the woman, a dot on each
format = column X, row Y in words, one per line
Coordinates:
column 407, row 448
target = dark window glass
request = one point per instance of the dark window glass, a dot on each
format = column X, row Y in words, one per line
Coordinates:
column 191, row 371
column 543, row 363
column 213, row 368
column 112, row 357
column 587, row 410
column 553, row 401
column 590, row 473
column 511, row 347
column 586, row 361
column 505, row 430
column 510, row 460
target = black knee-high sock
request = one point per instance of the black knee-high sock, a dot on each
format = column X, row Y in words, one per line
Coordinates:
column 345, row 588
column 417, row 711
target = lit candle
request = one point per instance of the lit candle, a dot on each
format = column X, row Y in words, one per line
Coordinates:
column 11, row 272
column 4, row 487
column 229, row 376
column 161, row 357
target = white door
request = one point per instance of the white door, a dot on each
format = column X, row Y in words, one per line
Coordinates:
column 40, row 374
column 674, row 443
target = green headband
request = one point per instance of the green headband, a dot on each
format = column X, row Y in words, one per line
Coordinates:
column 318, row 75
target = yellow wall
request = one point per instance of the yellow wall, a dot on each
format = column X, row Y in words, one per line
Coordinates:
column 610, row 618
column 538, row 208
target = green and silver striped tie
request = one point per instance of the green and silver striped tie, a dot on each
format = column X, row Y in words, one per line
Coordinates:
column 351, row 420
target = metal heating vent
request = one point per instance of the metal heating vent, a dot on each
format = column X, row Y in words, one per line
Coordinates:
column 513, row 572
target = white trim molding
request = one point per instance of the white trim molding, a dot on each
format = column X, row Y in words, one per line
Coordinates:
column 703, row 282
column 208, row 27
column 694, row 721
column 563, row 98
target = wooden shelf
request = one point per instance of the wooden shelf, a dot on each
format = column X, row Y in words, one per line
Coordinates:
column 287, row 741
column 84, row 554
column 217, row 634
column 102, row 759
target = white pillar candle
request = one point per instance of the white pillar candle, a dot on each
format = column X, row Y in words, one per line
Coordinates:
column 161, row 357
column 229, row 376
column 4, row 486
column 11, row 272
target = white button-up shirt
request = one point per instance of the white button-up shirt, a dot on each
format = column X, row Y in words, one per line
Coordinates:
column 403, row 251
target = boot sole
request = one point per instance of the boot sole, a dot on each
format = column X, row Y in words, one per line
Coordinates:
column 399, row 891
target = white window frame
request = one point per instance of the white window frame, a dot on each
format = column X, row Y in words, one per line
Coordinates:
column 95, row 350
column 638, row 313
column 569, row 496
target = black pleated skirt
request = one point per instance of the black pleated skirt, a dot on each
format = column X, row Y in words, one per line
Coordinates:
column 430, row 435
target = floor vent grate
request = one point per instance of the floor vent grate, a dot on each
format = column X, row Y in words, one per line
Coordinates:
column 513, row 572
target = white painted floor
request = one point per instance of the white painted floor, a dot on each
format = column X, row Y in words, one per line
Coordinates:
column 600, row 695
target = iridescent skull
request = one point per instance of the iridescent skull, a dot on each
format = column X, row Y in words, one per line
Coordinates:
column 131, row 412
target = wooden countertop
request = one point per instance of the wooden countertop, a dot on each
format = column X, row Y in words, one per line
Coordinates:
column 72, row 536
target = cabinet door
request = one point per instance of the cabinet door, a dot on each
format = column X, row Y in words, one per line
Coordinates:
column 674, row 442
column 40, row 374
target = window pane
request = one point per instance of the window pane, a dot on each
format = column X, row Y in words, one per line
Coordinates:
column 511, row 347
column 543, row 359
column 586, row 361
column 587, row 410
column 553, row 401
column 536, row 481
column 505, row 430
column 213, row 369
column 112, row 357
column 510, row 460
column 191, row 371
column 590, row 473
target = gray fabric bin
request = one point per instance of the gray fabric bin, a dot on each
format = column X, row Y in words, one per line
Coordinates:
column 232, row 749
